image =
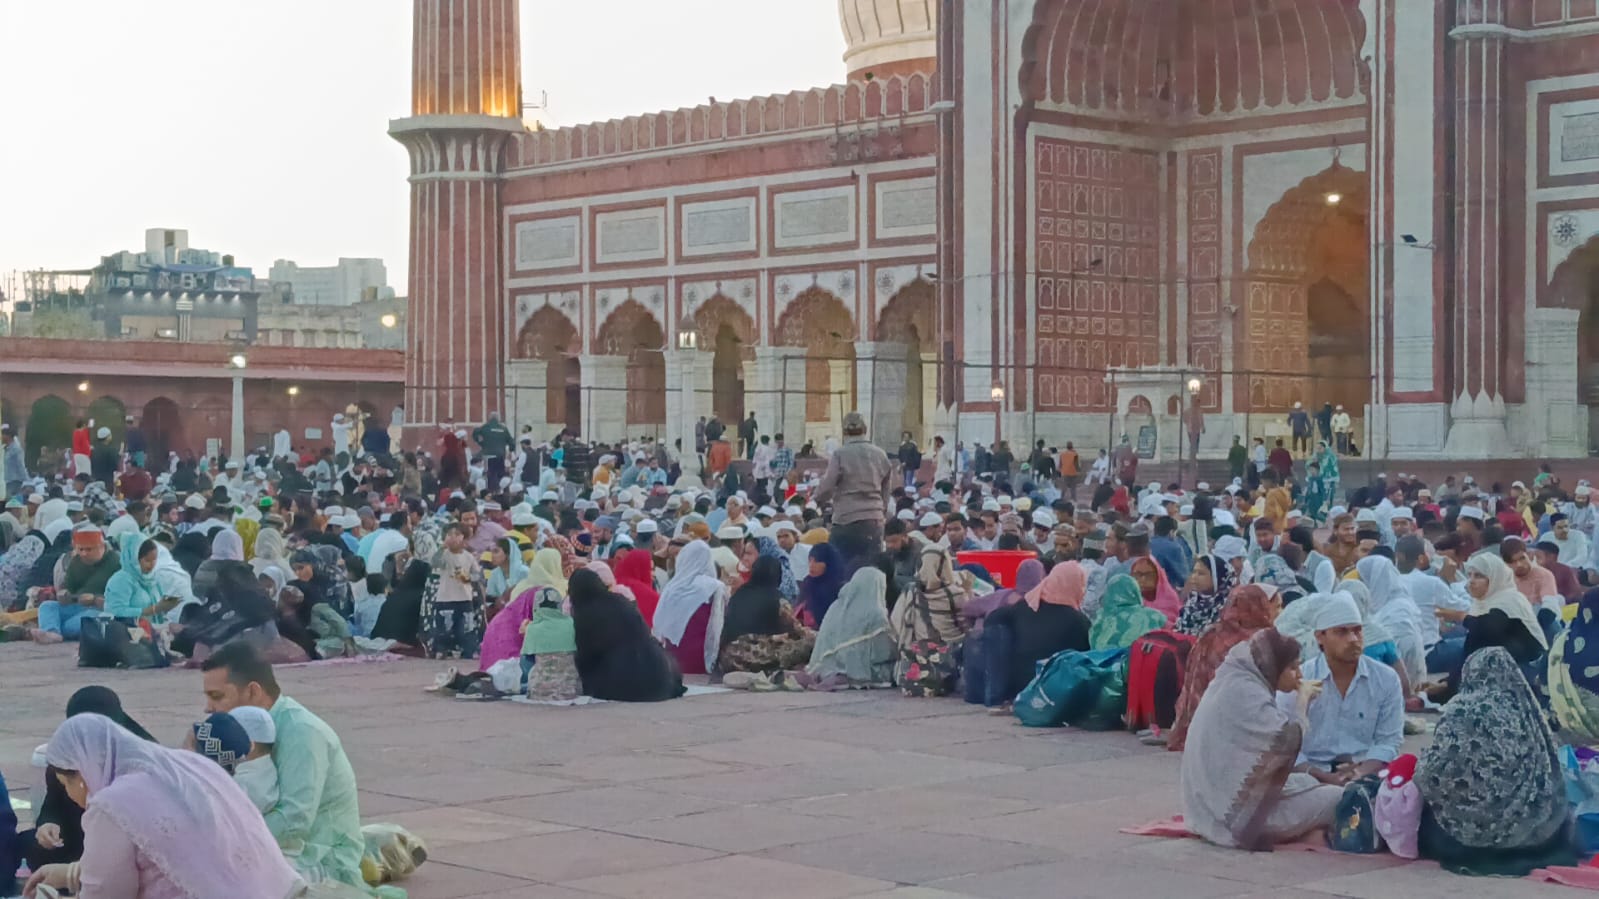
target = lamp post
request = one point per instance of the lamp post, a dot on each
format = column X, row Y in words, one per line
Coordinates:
column 237, row 362
column 1194, row 385
column 997, row 394
column 688, row 344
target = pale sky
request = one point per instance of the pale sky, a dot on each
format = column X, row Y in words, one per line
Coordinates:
column 259, row 125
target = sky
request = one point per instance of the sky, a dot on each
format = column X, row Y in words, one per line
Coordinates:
column 260, row 125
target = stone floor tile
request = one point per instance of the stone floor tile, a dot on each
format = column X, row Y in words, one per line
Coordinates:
column 743, row 828
column 1091, row 880
column 907, row 806
column 1283, row 868
column 462, row 784
column 909, row 856
column 453, row 825
column 733, row 877
column 1425, row 880
column 570, row 855
column 601, row 806
column 439, row 880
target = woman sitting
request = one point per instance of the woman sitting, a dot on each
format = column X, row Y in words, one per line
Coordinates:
column 1028, row 576
column 1499, row 616
column 158, row 822
column 1123, row 617
column 1017, row 637
column 1155, row 588
column 132, row 593
column 1574, row 675
column 502, row 638
column 505, row 572
column 818, row 591
column 616, row 657
column 227, row 552
column 1491, row 780
column 758, row 631
column 636, row 572
column 1248, row 610
column 1210, row 585
column 1237, row 785
column 854, row 646
column 683, row 618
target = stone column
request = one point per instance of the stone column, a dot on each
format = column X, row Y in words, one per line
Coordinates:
column 786, row 368
column 1477, row 429
column 527, row 383
column 688, row 374
column 236, row 431
column 604, row 398
column 880, row 379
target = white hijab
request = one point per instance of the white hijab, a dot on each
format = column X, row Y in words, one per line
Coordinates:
column 694, row 583
column 1395, row 610
column 1503, row 595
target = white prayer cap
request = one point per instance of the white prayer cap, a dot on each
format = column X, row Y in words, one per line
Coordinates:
column 782, row 526
column 523, row 519
column 1403, row 513
column 1186, row 511
column 1518, row 485
column 257, row 723
column 1043, row 518
column 991, row 505
column 1294, row 513
column 1337, row 610
column 1336, row 511
column 1584, row 491
column 1223, row 519
column 1005, row 500
column 103, row 433
column 1473, row 512
column 765, row 512
column 1202, row 485
column 1365, row 516
column 647, row 526
column 730, row 532
column 929, row 520
column 905, row 515
column 549, row 496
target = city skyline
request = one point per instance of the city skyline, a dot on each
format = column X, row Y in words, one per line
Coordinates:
column 265, row 162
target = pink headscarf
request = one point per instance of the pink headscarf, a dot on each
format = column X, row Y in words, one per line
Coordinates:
column 184, row 813
column 502, row 639
column 1065, row 585
column 1166, row 600
column 603, row 569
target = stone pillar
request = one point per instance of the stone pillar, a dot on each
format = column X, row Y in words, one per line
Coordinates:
column 527, row 383
column 236, row 431
column 786, row 368
column 880, row 378
column 688, row 375
column 604, row 398
column 1477, row 429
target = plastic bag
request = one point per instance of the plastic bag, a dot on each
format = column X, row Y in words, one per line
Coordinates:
column 506, row 675
column 392, row 853
column 1085, row 689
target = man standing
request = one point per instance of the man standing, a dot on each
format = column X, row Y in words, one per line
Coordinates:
column 13, row 469
column 699, row 438
column 1299, row 425
column 133, row 442
column 747, row 430
column 281, row 448
column 1196, row 427
column 341, row 434
column 316, row 820
column 910, row 461
column 1259, row 457
column 103, row 460
column 1324, row 422
column 494, row 439
column 81, row 447
column 858, row 484
column 1342, row 428
column 1237, row 459
column 782, row 464
column 943, row 461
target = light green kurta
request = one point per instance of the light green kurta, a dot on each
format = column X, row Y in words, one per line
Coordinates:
column 316, row 821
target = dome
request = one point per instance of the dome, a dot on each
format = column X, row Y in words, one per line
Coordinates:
column 1205, row 57
column 889, row 37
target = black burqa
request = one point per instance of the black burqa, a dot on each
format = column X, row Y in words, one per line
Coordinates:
column 400, row 619
column 756, row 608
column 1035, row 635
column 58, row 808
column 616, row 657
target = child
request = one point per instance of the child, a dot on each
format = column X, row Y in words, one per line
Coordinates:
column 454, row 606
column 549, row 639
column 368, row 607
column 257, row 774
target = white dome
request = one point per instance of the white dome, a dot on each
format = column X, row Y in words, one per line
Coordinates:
column 889, row 36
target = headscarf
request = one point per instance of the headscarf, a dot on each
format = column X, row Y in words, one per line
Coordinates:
column 1241, row 747
column 818, row 593
column 227, row 546
column 189, row 819
column 1273, row 569
column 1201, row 610
column 1165, row 600
column 270, row 549
column 1298, row 620
column 97, row 700
column 547, row 570
column 278, row 576
column 1491, row 777
column 131, row 587
column 854, row 641
column 1123, row 617
column 756, row 607
column 1065, row 585
column 1503, row 595
column 1247, row 610
column 636, row 571
column 787, row 587
column 569, row 560
column 1574, row 674
column 694, row 583
column 1394, row 611
column 327, row 581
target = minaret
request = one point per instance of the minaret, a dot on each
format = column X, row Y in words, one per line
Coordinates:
column 465, row 103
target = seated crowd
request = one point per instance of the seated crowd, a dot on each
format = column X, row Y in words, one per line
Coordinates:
column 1279, row 649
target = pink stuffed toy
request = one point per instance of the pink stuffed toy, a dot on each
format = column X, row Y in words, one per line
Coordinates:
column 1398, row 807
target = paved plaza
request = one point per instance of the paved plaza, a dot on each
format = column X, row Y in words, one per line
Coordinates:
column 774, row 795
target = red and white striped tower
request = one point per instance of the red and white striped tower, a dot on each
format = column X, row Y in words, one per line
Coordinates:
column 1477, row 413
column 465, row 104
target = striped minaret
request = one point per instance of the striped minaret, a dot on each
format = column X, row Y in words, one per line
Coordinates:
column 465, row 103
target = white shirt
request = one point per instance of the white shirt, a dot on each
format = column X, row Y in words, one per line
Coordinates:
column 1340, row 421
column 1259, row 455
column 1099, row 472
column 280, row 444
column 1430, row 593
column 1575, row 549
column 1366, row 723
column 341, row 437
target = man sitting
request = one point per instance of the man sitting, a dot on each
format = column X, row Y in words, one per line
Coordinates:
column 1357, row 722
column 315, row 820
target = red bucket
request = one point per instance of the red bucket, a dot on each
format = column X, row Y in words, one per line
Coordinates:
column 1001, row 563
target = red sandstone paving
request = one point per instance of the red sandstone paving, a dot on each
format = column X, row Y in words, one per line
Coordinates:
column 778, row 795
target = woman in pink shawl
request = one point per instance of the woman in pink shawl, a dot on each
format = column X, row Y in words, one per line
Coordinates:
column 1156, row 588
column 502, row 639
column 159, row 823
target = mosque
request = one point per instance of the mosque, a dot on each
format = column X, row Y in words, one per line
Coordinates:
column 1061, row 219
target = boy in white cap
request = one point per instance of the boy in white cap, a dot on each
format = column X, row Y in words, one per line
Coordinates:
column 257, row 775
column 1357, row 722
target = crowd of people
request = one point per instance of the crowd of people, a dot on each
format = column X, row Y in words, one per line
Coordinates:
column 1277, row 630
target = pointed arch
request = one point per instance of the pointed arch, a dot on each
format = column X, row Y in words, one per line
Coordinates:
column 822, row 324
column 632, row 331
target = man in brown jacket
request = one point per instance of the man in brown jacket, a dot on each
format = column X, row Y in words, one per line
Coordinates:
column 858, row 484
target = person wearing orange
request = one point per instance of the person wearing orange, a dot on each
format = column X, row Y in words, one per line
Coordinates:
column 1070, row 470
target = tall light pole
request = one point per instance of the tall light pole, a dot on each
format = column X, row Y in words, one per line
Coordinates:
column 1194, row 386
column 237, row 363
column 997, row 394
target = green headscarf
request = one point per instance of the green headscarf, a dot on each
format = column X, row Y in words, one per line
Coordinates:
column 1123, row 617
column 551, row 630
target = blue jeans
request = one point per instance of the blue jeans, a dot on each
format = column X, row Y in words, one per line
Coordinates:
column 1447, row 655
column 62, row 618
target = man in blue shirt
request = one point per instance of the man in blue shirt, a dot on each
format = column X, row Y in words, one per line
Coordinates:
column 1357, row 721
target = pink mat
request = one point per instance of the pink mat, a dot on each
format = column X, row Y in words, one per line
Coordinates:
column 1583, row 878
column 1175, row 828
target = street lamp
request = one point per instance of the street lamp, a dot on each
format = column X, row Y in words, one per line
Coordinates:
column 1194, row 386
column 83, row 386
column 688, row 338
column 997, row 393
column 237, row 360
column 389, row 320
column 294, row 390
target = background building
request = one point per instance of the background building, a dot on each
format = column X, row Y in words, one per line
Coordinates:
column 344, row 284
